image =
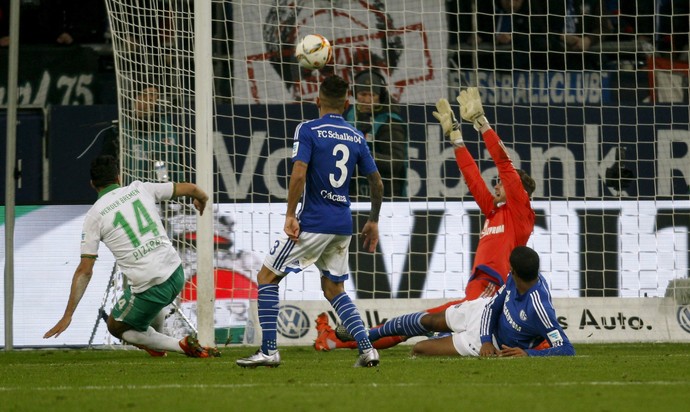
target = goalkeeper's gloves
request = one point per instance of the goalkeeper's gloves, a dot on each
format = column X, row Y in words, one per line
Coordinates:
column 471, row 108
column 451, row 127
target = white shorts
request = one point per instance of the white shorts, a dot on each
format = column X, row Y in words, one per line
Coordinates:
column 464, row 320
column 329, row 253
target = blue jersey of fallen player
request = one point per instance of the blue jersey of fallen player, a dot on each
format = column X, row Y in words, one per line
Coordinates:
column 524, row 321
column 332, row 148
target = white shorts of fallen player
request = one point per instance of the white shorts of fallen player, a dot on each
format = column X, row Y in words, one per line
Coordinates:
column 465, row 320
column 329, row 253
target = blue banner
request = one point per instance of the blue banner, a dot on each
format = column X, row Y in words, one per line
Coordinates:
column 570, row 152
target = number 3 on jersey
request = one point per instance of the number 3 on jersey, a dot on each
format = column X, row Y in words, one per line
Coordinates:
column 144, row 223
column 340, row 165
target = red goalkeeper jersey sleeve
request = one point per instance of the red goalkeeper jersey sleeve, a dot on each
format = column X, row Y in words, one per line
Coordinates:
column 507, row 225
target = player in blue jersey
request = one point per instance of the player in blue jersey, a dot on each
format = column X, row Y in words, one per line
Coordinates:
column 512, row 323
column 521, row 316
column 325, row 153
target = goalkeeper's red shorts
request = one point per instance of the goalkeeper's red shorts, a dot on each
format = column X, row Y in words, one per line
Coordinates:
column 481, row 286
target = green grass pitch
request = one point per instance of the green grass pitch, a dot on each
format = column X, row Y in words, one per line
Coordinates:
column 614, row 377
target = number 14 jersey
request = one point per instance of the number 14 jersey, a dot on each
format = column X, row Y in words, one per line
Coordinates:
column 126, row 219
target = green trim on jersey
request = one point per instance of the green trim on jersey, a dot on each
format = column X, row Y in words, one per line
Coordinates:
column 107, row 189
column 94, row 257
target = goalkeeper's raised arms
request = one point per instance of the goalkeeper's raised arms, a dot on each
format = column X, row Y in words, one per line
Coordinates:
column 471, row 108
column 451, row 127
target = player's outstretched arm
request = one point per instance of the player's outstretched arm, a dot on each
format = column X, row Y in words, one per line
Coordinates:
column 450, row 126
column 195, row 192
column 471, row 109
column 80, row 280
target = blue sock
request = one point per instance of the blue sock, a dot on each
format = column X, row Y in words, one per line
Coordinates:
column 268, row 301
column 349, row 315
column 405, row 325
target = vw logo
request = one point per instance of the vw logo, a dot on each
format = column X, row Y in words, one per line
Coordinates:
column 293, row 322
column 683, row 317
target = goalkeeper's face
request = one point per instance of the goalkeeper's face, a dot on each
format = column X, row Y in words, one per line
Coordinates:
column 499, row 193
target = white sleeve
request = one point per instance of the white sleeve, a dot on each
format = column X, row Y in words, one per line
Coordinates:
column 90, row 236
column 160, row 191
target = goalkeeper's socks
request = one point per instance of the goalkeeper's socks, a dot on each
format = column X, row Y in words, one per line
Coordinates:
column 405, row 325
column 349, row 315
column 268, row 306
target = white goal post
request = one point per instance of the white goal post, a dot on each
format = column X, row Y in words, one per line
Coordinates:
column 211, row 91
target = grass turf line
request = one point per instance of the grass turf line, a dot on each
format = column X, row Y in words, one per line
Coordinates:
column 630, row 377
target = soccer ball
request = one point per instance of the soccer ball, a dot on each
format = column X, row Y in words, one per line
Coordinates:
column 313, row 51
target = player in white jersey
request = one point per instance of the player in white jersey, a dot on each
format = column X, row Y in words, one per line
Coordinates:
column 325, row 153
column 127, row 221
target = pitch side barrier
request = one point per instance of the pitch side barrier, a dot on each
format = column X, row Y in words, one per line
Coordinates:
column 585, row 320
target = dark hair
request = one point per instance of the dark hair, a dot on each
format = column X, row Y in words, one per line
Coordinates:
column 333, row 91
column 527, row 181
column 104, row 171
column 524, row 262
column 371, row 80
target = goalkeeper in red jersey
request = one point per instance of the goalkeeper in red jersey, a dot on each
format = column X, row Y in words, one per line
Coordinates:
column 509, row 217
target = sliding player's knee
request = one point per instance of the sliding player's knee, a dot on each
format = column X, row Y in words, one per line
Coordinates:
column 117, row 328
column 435, row 322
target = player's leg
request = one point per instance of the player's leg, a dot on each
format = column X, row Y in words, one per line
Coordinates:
column 385, row 342
column 158, row 323
column 131, row 319
column 477, row 288
column 435, row 347
column 267, row 306
column 411, row 324
column 346, row 310
column 348, row 313
column 277, row 263
column 464, row 320
column 333, row 265
column 329, row 338
column 268, row 301
column 463, row 344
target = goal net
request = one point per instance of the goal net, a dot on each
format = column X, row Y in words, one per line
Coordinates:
column 568, row 90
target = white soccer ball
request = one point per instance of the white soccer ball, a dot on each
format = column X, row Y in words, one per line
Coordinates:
column 314, row 51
